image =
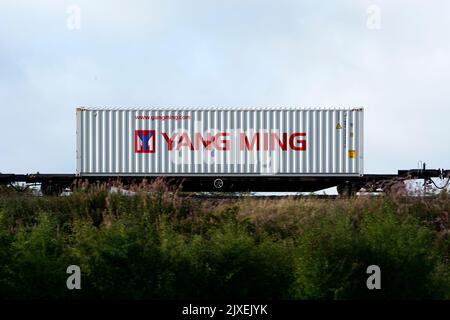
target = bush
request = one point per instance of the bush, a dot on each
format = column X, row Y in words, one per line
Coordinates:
column 159, row 245
column 35, row 266
column 333, row 257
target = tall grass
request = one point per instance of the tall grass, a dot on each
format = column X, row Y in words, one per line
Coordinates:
column 158, row 244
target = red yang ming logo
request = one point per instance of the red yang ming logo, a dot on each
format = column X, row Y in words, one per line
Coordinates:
column 144, row 141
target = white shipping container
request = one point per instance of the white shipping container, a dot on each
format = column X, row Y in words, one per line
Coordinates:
column 220, row 142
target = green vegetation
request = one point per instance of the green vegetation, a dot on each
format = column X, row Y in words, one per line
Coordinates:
column 160, row 245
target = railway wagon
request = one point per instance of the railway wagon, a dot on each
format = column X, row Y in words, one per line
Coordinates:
column 225, row 150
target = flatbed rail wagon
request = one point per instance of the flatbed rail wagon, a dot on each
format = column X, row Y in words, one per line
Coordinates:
column 223, row 149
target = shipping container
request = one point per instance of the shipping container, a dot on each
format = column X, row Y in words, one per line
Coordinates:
column 220, row 142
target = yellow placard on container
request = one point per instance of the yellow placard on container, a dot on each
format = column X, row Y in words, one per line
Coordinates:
column 352, row 154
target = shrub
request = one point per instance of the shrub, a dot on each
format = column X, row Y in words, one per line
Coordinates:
column 158, row 244
column 333, row 258
column 36, row 265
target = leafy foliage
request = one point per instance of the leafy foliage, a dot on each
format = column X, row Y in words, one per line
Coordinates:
column 157, row 244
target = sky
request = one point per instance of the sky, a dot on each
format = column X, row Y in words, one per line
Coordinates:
column 390, row 57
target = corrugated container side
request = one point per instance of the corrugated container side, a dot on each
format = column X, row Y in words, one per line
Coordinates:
column 159, row 142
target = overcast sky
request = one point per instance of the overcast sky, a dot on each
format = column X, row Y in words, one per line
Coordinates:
column 391, row 57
